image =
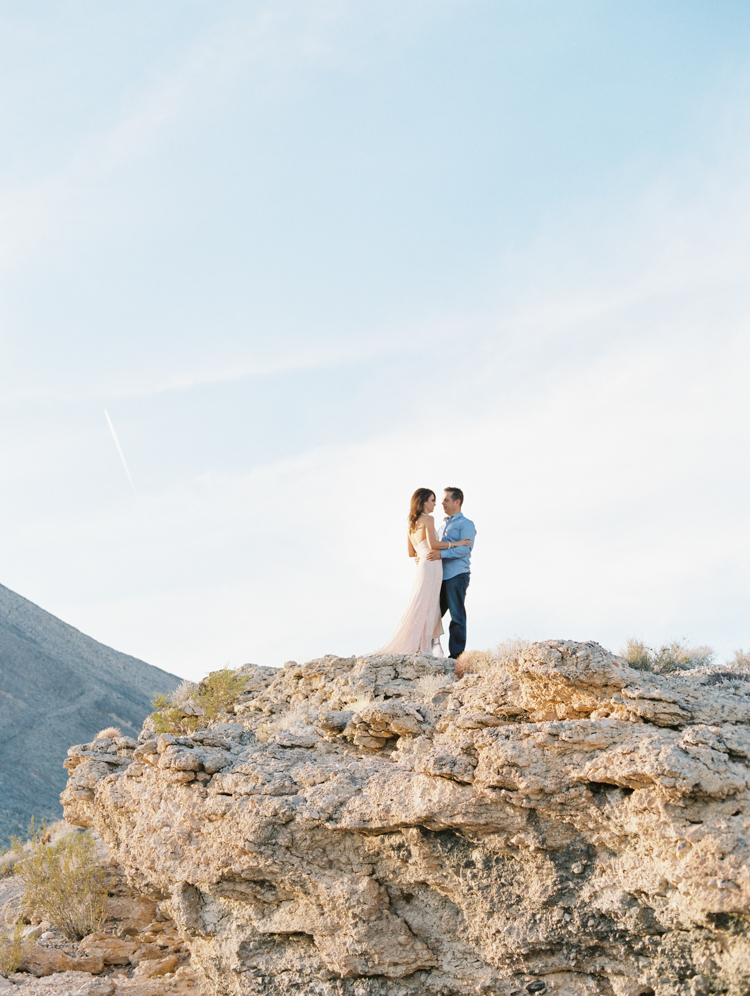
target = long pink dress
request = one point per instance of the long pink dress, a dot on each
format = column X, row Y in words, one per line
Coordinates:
column 419, row 629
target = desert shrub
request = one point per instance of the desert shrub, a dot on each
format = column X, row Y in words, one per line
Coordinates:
column 209, row 698
column 475, row 661
column 430, row 685
column 170, row 718
column 14, row 948
column 292, row 718
column 300, row 715
column 509, row 649
column 741, row 658
column 472, row 661
column 7, row 865
column 109, row 733
column 64, row 883
column 218, row 690
column 35, row 832
column 674, row 656
column 638, row 655
column 359, row 704
column 463, row 665
column 183, row 693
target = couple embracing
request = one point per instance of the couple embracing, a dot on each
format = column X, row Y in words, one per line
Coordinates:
column 442, row 557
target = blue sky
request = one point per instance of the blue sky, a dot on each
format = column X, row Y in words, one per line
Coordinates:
column 310, row 256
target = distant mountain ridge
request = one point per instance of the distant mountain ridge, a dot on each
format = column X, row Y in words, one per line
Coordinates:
column 58, row 687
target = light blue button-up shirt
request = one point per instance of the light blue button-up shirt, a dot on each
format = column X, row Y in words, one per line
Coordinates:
column 458, row 559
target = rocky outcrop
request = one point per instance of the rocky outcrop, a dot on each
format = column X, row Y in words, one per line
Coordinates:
column 559, row 823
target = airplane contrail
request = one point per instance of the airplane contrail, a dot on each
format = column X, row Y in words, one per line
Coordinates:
column 122, row 457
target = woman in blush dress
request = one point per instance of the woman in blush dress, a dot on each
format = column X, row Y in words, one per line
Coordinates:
column 420, row 628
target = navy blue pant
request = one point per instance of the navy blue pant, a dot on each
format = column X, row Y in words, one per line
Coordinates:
column 452, row 598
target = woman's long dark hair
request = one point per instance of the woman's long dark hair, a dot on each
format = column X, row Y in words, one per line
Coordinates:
column 418, row 499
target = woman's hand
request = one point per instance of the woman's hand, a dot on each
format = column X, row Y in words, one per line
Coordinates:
column 466, row 542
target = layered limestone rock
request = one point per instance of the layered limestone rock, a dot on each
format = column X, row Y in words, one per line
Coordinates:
column 559, row 823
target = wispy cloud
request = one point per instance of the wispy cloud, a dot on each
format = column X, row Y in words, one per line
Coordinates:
column 275, row 41
column 322, row 353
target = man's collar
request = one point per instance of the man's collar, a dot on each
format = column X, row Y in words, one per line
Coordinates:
column 458, row 515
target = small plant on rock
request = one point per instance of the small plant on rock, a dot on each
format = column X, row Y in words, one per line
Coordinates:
column 472, row 661
column 475, row 661
column 294, row 717
column 670, row 657
column 19, row 844
column 14, row 948
column 64, row 883
column 638, row 655
column 218, row 690
column 675, row 656
column 109, row 733
column 430, row 685
column 191, row 706
column 170, row 718
column 508, row 650
column 183, row 693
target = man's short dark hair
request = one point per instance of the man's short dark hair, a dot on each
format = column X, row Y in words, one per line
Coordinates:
column 455, row 493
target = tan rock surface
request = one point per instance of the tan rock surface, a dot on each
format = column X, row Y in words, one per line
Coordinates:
column 49, row 961
column 111, row 950
column 367, row 826
column 182, row 983
column 155, row 967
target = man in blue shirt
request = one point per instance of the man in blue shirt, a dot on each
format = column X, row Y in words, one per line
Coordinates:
column 456, row 567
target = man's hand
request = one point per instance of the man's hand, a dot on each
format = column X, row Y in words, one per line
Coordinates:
column 433, row 555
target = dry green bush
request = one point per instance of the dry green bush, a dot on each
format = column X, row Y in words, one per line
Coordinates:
column 674, row 656
column 64, row 883
column 170, row 718
column 20, row 844
column 178, row 713
column 218, row 690
column 741, row 658
column 14, row 948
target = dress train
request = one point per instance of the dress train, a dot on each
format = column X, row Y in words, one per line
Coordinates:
column 419, row 629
